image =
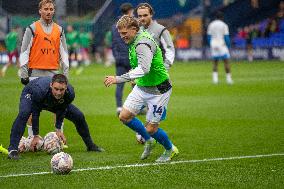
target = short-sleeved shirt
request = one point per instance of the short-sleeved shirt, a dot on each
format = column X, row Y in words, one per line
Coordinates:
column 72, row 39
column 11, row 40
column 217, row 29
column 84, row 39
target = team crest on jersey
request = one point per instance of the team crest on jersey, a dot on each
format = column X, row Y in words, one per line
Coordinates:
column 28, row 96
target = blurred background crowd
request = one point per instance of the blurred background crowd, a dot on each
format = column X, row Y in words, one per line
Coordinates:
column 253, row 24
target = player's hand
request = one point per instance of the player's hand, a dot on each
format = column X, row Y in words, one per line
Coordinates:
column 25, row 81
column 34, row 143
column 109, row 80
column 61, row 136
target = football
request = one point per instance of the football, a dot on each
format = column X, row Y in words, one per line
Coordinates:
column 52, row 143
column 28, row 142
column 61, row 163
column 21, row 146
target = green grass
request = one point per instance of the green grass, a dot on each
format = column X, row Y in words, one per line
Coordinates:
column 204, row 121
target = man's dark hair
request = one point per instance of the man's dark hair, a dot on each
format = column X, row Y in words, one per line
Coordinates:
column 125, row 8
column 145, row 5
column 219, row 15
column 59, row 78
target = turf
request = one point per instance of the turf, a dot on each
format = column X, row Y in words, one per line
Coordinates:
column 204, row 120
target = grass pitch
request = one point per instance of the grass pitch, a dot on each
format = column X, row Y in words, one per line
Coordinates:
column 205, row 121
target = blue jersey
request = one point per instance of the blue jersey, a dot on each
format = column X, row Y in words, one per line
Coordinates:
column 40, row 94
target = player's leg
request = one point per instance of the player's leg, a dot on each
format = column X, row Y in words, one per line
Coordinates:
column 6, row 66
column 29, row 122
column 130, row 109
column 18, row 66
column 129, row 119
column 77, row 117
column 87, row 57
column 157, row 112
column 73, row 58
column 29, row 126
column 17, row 59
column 19, row 124
column 118, row 97
column 215, row 71
column 249, row 51
column 108, row 56
column 228, row 71
column 79, row 59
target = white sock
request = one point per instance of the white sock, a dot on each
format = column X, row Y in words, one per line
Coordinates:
column 229, row 78
column 118, row 109
column 215, row 77
column 62, row 125
column 250, row 58
column 30, row 130
column 4, row 69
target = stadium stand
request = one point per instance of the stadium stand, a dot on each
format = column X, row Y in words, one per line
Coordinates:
column 267, row 33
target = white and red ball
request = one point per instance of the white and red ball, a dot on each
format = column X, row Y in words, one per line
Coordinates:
column 61, row 163
column 28, row 143
column 52, row 143
column 21, row 146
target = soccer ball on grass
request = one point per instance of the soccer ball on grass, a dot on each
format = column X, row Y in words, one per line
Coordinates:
column 61, row 163
column 52, row 144
column 22, row 147
column 28, row 142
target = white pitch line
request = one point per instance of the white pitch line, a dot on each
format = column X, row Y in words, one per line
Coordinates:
column 149, row 164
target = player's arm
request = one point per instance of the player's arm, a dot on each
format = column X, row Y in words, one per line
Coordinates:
column 209, row 34
column 36, row 109
column 168, row 46
column 227, row 41
column 226, row 36
column 64, row 61
column 145, row 50
column 60, row 115
column 25, row 53
column 209, row 39
column 62, row 109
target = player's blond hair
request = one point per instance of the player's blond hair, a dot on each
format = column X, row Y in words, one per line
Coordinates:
column 43, row 2
column 127, row 22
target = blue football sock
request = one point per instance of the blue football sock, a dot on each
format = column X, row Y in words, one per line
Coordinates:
column 162, row 137
column 136, row 125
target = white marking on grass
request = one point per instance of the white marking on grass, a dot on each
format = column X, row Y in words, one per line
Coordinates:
column 149, row 164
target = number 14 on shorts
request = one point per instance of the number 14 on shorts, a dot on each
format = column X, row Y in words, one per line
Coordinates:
column 157, row 110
